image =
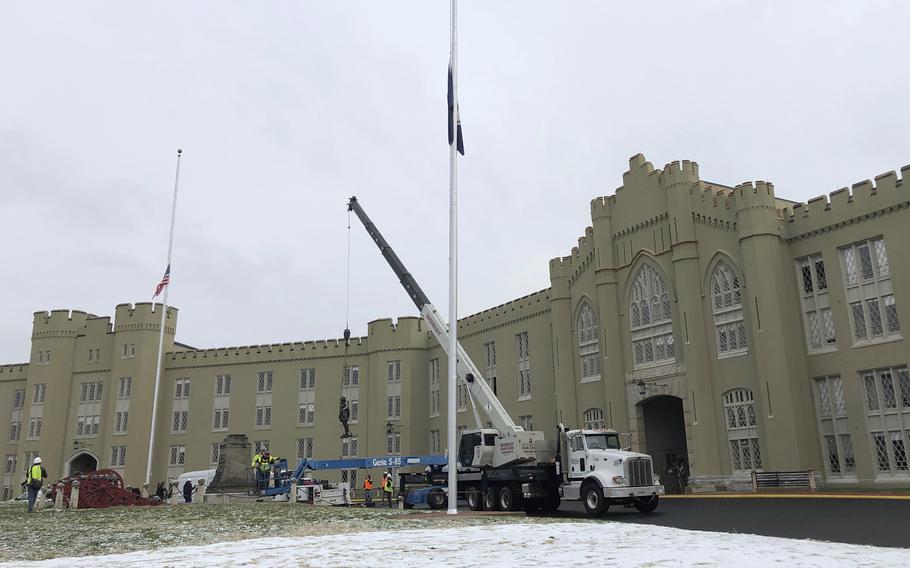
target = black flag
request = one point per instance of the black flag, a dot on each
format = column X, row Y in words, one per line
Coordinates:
column 451, row 97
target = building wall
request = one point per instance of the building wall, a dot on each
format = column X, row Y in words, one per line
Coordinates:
column 666, row 223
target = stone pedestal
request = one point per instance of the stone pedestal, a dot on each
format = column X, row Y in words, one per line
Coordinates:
column 200, row 492
column 74, row 495
column 175, row 492
column 232, row 474
column 58, row 501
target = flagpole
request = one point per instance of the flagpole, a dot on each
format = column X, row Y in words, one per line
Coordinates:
column 170, row 249
column 453, row 269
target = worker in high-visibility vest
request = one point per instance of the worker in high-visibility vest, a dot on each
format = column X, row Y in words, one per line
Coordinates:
column 34, row 479
column 387, row 488
column 261, row 480
column 368, row 490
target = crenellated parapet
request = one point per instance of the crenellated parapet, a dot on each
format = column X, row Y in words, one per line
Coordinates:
column 143, row 316
column 503, row 314
column 59, row 324
column 864, row 200
column 267, row 351
column 713, row 205
column 756, row 209
column 14, row 372
column 679, row 173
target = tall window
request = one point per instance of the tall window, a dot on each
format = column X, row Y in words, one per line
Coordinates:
column 434, row 387
column 305, row 448
column 587, row 327
column 461, row 395
column 349, row 450
column 350, row 389
column 215, row 453
column 118, row 457
column 524, row 366
column 19, row 399
column 526, row 422
column 594, row 419
column 34, row 427
column 489, row 357
column 177, row 456
column 263, row 416
column 435, row 442
column 651, row 318
column 180, row 413
column 813, row 287
column 888, row 415
column 39, row 391
column 393, row 390
column 393, row 443
column 121, row 420
column 128, row 351
column 264, row 382
column 837, row 444
column 88, row 419
column 306, row 398
column 742, row 430
column 869, row 290
column 125, row 387
column 727, row 305
column 221, row 403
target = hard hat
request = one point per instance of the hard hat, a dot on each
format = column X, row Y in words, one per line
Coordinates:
column 37, row 460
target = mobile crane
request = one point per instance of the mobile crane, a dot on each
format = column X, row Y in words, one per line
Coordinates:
column 505, row 467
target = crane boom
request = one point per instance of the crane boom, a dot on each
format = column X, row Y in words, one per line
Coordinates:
column 481, row 394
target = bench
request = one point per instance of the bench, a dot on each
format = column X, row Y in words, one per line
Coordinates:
column 764, row 480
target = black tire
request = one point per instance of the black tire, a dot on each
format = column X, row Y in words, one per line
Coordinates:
column 550, row 504
column 474, row 499
column 593, row 498
column 436, row 499
column 509, row 499
column 646, row 504
column 491, row 499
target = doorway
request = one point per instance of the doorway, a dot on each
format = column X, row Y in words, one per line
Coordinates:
column 83, row 463
column 665, row 438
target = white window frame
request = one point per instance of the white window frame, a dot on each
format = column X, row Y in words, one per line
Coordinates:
column 118, row 457
column 306, row 398
column 434, row 387
column 594, row 419
column 264, row 382
column 835, row 438
column 489, row 355
column 869, row 292
column 727, row 308
column 393, row 390
column 124, row 388
column 741, row 419
column 39, row 392
column 527, row 422
column 121, row 421
column 306, row 448
column 523, row 349
column 177, row 456
column 587, row 329
column 887, row 403
column 652, row 335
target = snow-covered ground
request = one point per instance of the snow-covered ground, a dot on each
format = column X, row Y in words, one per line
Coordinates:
column 554, row 544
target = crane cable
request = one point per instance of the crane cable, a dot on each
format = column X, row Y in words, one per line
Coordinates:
column 345, row 371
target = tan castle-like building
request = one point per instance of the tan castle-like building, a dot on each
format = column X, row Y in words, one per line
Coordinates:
column 721, row 326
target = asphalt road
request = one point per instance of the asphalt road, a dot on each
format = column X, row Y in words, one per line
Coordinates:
column 857, row 521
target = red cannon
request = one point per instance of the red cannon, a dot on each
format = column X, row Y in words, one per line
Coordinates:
column 99, row 490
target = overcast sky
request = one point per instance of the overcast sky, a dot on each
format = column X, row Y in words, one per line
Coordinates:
column 285, row 109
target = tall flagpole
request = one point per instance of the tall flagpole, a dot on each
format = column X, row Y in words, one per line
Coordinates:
column 170, row 249
column 453, row 269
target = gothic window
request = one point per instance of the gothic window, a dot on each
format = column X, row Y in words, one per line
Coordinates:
column 727, row 305
column 742, row 430
column 813, row 287
column 594, row 419
column 870, row 291
column 588, row 329
column 837, row 443
column 651, row 318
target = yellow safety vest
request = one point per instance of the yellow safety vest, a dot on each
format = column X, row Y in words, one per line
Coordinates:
column 34, row 472
column 388, row 485
column 256, row 459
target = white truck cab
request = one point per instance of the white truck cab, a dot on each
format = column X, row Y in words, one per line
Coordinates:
column 599, row 472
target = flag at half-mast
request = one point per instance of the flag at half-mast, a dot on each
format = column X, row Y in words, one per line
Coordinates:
column 165, row 280
column 454, row 110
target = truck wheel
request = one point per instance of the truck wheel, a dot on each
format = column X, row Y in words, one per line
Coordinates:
column 550, row 504
column 491, row 499
column 646, row 504
column 593, row 497
column 475, row 499
column 436, row 499
column 509, row 500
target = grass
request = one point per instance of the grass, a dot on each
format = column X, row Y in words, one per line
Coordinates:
column 54, row 534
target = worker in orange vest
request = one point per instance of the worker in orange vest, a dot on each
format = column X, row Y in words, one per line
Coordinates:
column 368, row 490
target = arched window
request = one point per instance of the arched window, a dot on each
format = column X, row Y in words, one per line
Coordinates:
column 594, row 419
column 651, row 318
column 727, row 305
column 588, row 329
column 742, row 430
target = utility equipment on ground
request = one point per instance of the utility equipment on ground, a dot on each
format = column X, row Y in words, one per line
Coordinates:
column 505, row 467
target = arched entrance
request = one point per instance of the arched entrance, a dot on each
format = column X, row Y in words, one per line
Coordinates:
column 83, row 462
column 665, row 436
